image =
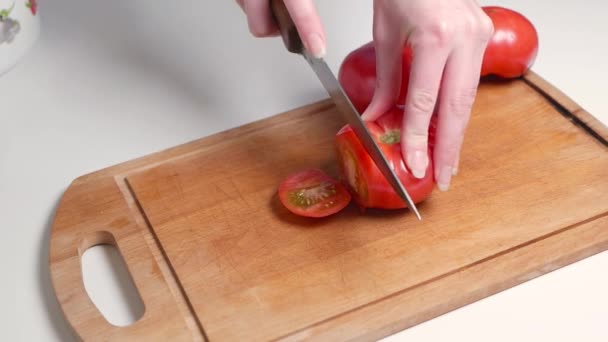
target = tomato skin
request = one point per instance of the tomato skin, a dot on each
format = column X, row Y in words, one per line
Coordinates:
column 393, row 121
column 432, row 132
column 513, row 47
column 326, row 195
column 368, row 185
column 357, row 75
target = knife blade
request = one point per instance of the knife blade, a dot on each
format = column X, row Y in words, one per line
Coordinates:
column 294, row 44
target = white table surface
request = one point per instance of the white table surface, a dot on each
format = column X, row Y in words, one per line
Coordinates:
column 109, row 81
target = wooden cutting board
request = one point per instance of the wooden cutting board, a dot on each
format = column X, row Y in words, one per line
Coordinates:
column 215, row 256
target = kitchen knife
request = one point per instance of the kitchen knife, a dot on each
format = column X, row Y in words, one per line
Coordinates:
column 294, row 44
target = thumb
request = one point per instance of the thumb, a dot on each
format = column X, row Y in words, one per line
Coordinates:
column 307, row 20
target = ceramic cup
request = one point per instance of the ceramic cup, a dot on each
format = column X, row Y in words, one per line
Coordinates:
column 19, row 30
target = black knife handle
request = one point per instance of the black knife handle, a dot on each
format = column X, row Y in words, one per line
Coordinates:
column 288, row 29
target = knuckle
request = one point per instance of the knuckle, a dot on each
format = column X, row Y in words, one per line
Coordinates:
column 380, row 36
column 437, row 33
column 416, row 138
column 422, row 102
column 486, row 28
column 448, row 147
column 452, row 150
column 448, row 152
column 470, row 25
column 465, row 24
column 460, row 105
column 383, row 35
column 480, row 27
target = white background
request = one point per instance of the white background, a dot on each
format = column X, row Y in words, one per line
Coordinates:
column 113, row 80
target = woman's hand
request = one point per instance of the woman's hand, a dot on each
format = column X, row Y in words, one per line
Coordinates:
column 302, row 12
column 448, row 39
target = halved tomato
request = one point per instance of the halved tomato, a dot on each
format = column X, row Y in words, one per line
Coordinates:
column 357, row 75
column 313, row 193
column 368, row 185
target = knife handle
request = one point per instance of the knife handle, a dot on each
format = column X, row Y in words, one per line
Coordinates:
column 289, row 31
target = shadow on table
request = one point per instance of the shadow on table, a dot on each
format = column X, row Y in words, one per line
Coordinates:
column 117, row 288
column 61, row 327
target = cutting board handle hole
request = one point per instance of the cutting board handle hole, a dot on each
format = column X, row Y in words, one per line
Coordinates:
column 110, row 286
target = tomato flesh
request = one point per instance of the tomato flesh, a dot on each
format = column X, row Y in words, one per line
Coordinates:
column 312, row 193
column 368, row 185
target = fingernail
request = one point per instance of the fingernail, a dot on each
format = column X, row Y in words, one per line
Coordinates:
column 316, row 46
column 443, row 178
column 418, row 163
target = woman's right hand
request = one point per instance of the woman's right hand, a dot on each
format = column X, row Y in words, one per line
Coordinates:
column 303, row 13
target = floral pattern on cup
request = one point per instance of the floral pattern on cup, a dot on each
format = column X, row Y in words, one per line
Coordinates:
column 9, row 27
column 33, row 6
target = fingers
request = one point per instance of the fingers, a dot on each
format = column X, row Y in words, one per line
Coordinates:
column 388, row 44
column 457, row 163
column 303, row 13
column 427, row 68
column 305, row 17
column 459, row 89
column 259, row 18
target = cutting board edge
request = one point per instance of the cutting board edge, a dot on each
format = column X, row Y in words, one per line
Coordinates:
column 556, row 97
column 568, row 107
column 372, row 321
column 116, row 220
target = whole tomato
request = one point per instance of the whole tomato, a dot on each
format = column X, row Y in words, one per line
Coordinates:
column 357, row 75
column 514, row 45
column 369, row 187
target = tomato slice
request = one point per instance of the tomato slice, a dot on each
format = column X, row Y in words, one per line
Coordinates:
column 312, row 193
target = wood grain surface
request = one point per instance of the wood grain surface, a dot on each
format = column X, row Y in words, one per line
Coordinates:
column 216, row 257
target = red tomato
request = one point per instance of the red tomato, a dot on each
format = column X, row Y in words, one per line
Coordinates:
column 369, row 187
column 510, row 53
column 313, row 193
column 357, row 75
column 513, row 48
column 432, row 131
column 396, row 122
